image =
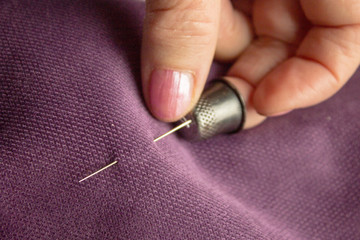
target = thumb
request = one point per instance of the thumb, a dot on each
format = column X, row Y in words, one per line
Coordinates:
column 178, row 46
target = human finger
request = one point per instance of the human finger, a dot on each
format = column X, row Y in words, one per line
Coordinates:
column 325, row 60
column 178, row 46
column 235, row 32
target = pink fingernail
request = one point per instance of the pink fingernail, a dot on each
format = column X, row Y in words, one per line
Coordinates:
column 280, row 114
column 170, row 93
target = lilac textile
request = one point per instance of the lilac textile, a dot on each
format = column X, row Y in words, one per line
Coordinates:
column 70, row 102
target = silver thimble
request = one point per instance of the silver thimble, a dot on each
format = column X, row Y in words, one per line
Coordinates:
column 220, row 109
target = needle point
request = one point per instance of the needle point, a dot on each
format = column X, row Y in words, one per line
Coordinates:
column 173, row 130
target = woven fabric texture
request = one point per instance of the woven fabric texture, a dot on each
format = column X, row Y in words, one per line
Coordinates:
column 70, row 103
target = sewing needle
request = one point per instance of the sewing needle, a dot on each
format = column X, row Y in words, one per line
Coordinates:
column 173, row 130
column 107, row 166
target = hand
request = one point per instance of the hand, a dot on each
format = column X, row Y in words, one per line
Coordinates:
column 286, row 54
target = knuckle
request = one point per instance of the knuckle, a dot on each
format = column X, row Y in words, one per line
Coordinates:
column 178, row 24
column 332, row 12
column 156, row 6
column 181, row 20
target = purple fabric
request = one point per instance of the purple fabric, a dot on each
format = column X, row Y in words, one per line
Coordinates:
column 70, row 102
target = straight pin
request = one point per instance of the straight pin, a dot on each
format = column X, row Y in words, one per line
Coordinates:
column 173, row 130
column 102, row 169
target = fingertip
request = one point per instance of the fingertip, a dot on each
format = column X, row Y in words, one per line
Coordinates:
column 170, row 94
column 296, row 83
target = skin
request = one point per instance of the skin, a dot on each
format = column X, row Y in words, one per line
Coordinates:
column 285, row 54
